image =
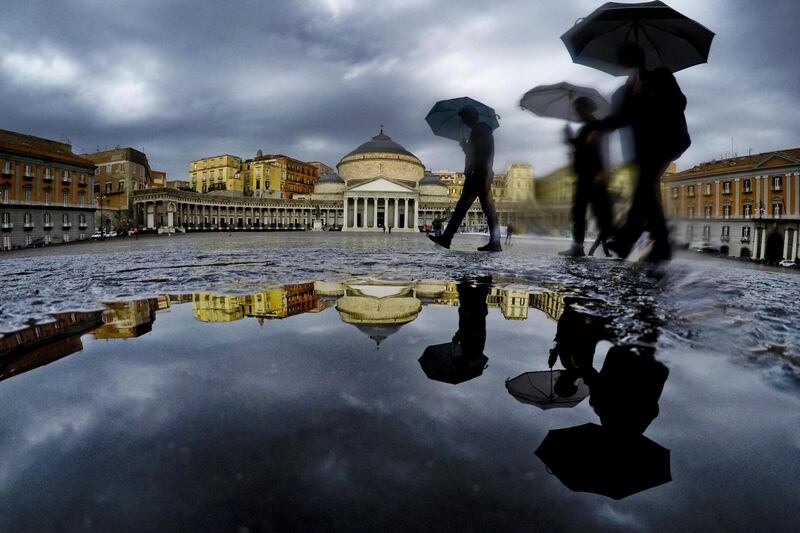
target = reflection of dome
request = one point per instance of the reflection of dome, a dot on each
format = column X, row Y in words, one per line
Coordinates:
column 377, row 316
column 381, row 156
column 377, row 332
column 329, row 184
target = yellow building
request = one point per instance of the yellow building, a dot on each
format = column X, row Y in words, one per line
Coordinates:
column 263, row 177
column 122, row 320
column 218, row 173
column 279, row 301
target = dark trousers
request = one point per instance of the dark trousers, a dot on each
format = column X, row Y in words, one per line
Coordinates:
column 587, row 192
column 474, row 189
column 646, row 210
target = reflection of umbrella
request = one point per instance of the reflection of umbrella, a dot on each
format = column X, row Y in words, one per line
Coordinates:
column 591, row 458
column 446, row 362
column 444, row 120
column 536, row 388
column 555, row 101
column 668, row 38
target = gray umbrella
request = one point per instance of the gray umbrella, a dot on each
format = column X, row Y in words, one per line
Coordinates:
column 537, row 388
column 555, row 101
column 668, row 38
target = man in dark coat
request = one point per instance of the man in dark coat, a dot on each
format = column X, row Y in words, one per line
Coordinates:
column 590, row 166
column 652, row 104
column 479, row 152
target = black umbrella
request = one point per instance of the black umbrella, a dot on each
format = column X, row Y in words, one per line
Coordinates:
column 556, row 101
column 668, row 38
column 591, row 458
column 537, row 388
column 447, row 363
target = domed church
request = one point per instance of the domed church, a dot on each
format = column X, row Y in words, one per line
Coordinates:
column 383, row 185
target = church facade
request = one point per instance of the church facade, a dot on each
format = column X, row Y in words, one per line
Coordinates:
column 379, row 186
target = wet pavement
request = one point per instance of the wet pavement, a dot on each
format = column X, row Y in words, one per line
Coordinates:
column 265, row 382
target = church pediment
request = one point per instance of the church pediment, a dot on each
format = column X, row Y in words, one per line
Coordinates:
column 380, row 185
column 776, row 161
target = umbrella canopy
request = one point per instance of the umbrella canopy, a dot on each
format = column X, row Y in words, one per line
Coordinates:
column 536, row 388
column 591, row 458
column 446, row 362
column 555, row 101
column 668, row 38
column 444, row 120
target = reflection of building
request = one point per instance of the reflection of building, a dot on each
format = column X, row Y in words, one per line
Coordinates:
column 40, row 344
column 549, row 303
column 378, row 308
column 745, row 206
column 280, row 301
column 46, row 192
column 129, row 319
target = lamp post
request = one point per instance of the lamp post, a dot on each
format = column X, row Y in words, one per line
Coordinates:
column 100, row 197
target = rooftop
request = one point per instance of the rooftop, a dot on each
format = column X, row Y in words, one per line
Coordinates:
column 764, row 160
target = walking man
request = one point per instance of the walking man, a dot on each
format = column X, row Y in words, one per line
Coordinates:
column 590, row 164
column 479, row 157
column 653, row 105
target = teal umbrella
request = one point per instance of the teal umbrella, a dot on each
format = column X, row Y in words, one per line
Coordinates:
column 444, row 120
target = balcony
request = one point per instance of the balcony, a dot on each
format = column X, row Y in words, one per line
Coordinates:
column 27, row 225
column 83, row 225
column 82, row 183
column 28, row 177
column 745, row 239
column 6, row 173
column 47, row 178
column 66, row 179
column 5, row 226
column 66, row 225
column 48, row 225
column 725, row 238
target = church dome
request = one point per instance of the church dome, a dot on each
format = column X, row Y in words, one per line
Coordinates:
column 381, row 157
column 330, row 178
column 431, row 185
column 329, row 184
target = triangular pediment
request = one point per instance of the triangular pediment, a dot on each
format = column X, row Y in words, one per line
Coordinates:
column 777, row 161
column 380, row 185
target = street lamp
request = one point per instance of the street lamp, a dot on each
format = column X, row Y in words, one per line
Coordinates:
column 100, row 197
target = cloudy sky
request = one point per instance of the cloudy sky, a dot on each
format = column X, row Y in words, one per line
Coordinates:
column 313, row 79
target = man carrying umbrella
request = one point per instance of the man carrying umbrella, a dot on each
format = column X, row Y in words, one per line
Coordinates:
column 479, row 157
column 590, row 164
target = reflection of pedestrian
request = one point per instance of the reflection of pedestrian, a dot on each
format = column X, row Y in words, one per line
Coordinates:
column 472, row 311
column 509, row 232
column 590, row 165
column 479, row 157
column 653, row 105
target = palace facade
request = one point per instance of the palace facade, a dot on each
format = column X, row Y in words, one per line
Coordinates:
column 746, row 207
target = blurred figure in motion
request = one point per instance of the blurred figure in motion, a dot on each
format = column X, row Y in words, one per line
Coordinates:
column 479, row 158
column 597, row 242
column 652, row 104
column 590, row 162
column 509, row 233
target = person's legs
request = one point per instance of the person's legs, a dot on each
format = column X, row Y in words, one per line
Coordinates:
column 579, row 204
column 487, row 205
column 596, row 243
column 460, row 211
column 601, row 207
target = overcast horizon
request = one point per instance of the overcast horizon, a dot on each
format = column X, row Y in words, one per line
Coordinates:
column 315, row 79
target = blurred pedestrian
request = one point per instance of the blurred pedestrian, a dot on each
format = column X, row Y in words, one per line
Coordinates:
column 652, row 104
column 479, row 157
column 590, row 163
column 509, row 233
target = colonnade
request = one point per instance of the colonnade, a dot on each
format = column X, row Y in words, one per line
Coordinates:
column 372, row 212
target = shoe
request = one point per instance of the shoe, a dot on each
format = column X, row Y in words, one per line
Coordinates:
column 493, row 246
column 617, row 247
column 441, row 240
column 576, row 250
column 659, row 253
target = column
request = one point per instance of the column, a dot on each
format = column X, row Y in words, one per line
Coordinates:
column 375, row 213
column 785, row 243
column 796, row 244
column 736, row 198
column 405, row 213
column 763, row 252
column 344, row 223
column 716, row 208
column 364, row 213
column 385, row 212
column 394, row 222
column 416, row 216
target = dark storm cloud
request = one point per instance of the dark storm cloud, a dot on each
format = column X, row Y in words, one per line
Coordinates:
column 315, row 79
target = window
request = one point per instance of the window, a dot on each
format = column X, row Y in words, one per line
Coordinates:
column 6, row 218
column 777, row 209
column 48, row 221
column 726, row 211
column 82, row 198
column 689, row 232
column 746, row 234
column 65, row 219
column 691, row 211
column 28, row 194
column 707, row 189
column 706, row 233
column 65, row 175
column 65, row 238
column 777, row 182
column 726, row 187
column 4, row 193
column 6, row 167
column 674, row 192
column 47, row 238
column 690, row 190
column 47, row 197
column 28, row 170
column 27, row 219
column 108, row 187
column 65, row 197
column 121, row 186
column 748, row 185
column 47, row 173
column 707, row 212
column 28, row 239
column 726, row 231
column 748, row 210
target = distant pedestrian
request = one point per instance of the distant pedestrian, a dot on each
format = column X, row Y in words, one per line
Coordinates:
column 390, row 229
column 651, row 102
column 384, row 228
column 509, row 233
column 589, row 161
column 479, row 158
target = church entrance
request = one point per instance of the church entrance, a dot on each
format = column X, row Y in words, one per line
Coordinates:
column 380, row 219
